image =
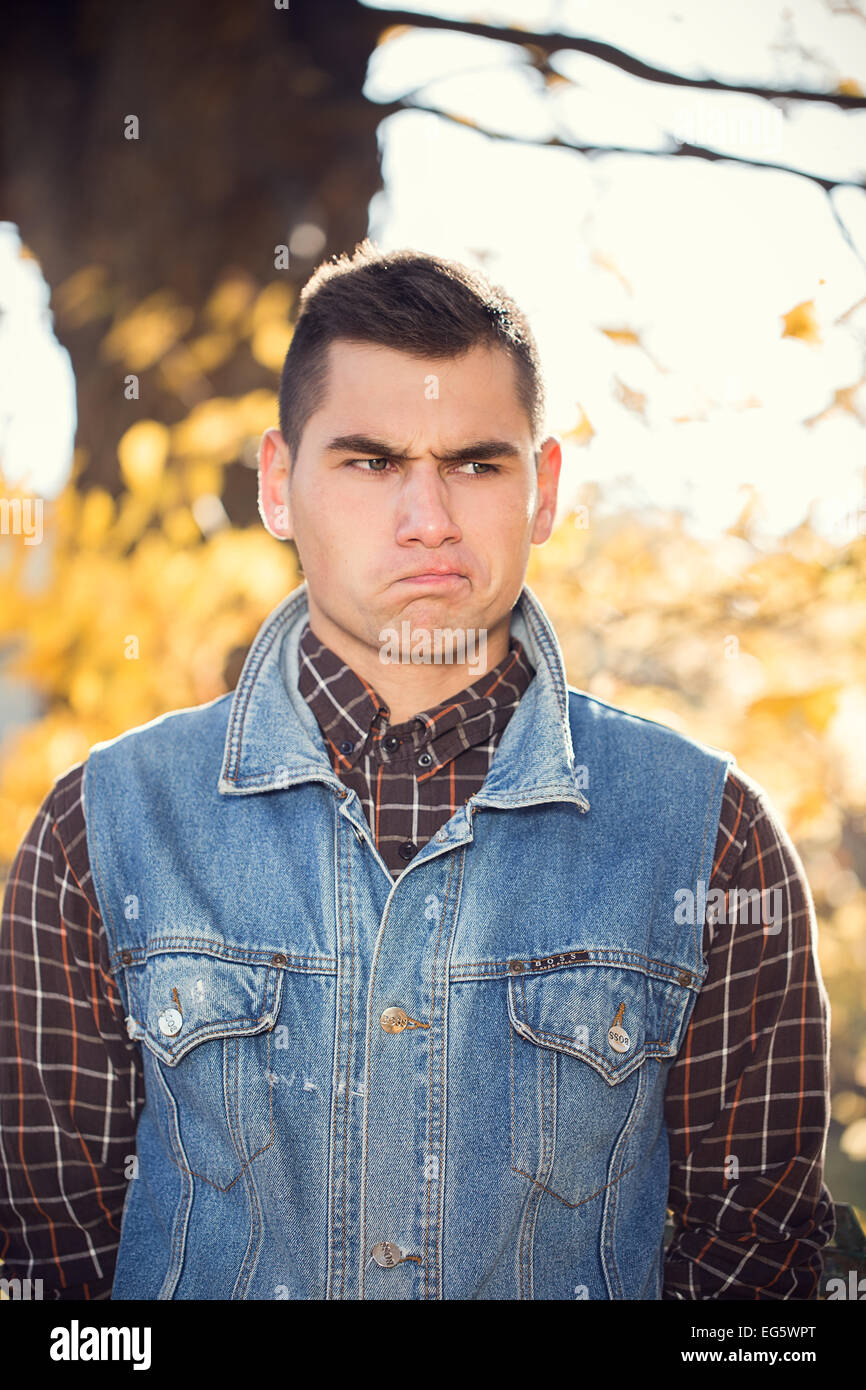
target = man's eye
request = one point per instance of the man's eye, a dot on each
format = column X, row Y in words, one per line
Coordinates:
column 471, row 463
column 488, row 468
column 353, row 462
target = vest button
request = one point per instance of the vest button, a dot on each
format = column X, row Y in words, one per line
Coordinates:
column 170, row 1022
column 684, row 978
column 407, row 849
column 618, row 1039
column 387, row 1254
column 394, row 1020
column 515, row 966
column 126, row 957
column 279, row 959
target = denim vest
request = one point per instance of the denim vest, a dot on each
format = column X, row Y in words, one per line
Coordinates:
column 448, row 1086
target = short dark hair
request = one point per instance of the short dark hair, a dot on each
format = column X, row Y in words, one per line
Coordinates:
column 408, row 300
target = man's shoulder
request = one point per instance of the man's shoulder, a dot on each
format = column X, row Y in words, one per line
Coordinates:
column 614, row 724
column 176, row 729
column 177, row 723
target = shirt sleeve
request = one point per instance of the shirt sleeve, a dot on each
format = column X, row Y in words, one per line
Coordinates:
column 748, row 1096
column 70, row 1081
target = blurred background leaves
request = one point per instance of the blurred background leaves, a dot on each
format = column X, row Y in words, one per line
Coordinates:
column 261, row 129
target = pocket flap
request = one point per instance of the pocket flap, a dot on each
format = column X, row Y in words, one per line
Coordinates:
column 611, row 1016
column 181, row 998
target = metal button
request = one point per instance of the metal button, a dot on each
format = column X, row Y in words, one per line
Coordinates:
column 516, row 966
column 387, row 1254
column 425, row 760
column 616, row 1034
column 279, row 959
column 170, row 1022
column 394, row 1020
column 684, row 978
column 126, row 957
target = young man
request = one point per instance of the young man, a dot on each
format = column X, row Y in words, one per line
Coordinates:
column 395, row 978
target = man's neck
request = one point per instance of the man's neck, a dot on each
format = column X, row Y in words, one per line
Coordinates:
column 407, row 686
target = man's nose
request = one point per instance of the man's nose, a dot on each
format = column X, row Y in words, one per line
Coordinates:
column 425, row 508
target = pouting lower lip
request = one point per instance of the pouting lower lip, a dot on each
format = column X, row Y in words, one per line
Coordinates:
column 433, row 575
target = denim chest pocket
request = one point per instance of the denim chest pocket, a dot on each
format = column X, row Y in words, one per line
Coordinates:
column 587, row 1047
column 206, row 1024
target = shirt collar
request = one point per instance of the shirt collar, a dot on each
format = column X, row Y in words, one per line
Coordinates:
column 273, row 739
column 353, row 717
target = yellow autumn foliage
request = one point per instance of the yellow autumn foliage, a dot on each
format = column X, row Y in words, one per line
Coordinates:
column 131, row 609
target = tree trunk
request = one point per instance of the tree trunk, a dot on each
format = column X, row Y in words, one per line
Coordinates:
column 251, row 121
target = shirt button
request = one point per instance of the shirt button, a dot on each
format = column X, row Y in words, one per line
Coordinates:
column 407, row 849
column 387, row 1254
column 391, row 742
column 425, row 760
column 346, row 747
column 394, row 1020
column 170, row 1022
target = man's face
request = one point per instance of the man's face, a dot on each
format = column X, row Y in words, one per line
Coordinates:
column 384, row 487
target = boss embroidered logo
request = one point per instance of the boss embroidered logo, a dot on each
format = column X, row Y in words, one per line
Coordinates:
column 616, row 1034
column 564, row 958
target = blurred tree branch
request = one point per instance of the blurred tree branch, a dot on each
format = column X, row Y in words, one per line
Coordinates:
column 546, row 44
column 540, row 47
column 679, row 148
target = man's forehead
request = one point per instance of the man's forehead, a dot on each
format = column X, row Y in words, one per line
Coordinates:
column 375, row 390
column 375, row 364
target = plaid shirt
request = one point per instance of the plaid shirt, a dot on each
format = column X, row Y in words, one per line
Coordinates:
column 750, row 1082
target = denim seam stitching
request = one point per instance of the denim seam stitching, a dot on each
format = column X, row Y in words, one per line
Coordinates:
column 445, row 901
column 219, row 1187
column 347, row 1087
column 623, row 1142
column 545, row 1187
column 203, row 1031
column 239, row 711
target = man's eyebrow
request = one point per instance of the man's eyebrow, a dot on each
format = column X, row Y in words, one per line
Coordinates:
column 365, row 446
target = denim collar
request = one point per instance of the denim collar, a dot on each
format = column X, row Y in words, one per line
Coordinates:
column 273, row 739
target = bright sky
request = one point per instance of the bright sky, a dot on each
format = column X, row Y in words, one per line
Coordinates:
column 37, row 387
column 700, row 260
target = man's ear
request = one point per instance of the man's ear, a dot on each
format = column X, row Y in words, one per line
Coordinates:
column 547, row 476
column 274, row 470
